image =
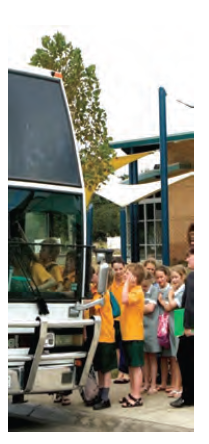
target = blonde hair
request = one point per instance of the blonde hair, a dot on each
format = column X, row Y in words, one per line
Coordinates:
column 180, row 269
column 137, row 270
column 53, row 247
column 110, row 277
column 150, row 260
column 147, row 276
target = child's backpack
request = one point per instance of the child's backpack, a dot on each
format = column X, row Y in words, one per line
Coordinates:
column 115, row 306
column 91, row 389
column 163, row 330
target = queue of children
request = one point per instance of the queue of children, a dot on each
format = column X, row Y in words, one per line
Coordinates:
column 128, row 343
column 146, row 290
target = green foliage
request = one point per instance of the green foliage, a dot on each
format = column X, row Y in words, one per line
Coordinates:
column 106, row 219
column 83, row 94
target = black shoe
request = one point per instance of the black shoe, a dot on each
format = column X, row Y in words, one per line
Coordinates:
column 180, row 402
column 177, row 403
column 93, row 401
column 102, row 405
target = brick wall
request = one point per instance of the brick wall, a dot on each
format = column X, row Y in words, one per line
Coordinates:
column 181, row 214
column 181, row 152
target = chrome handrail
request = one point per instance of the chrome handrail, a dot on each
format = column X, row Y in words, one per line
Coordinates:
column 48, row 357
column 52, row 324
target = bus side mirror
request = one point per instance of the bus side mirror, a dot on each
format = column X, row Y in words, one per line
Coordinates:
column 103, row 274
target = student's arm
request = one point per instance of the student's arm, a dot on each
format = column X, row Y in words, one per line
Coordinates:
column 47, row 285
column 42, row 279
column 125, row 292
column 168, row 306
column 149, row 308
column 171, row 295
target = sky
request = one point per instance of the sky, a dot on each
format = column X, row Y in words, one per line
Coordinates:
column 135, row 50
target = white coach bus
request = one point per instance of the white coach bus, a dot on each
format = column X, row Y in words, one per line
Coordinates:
column 46, row 348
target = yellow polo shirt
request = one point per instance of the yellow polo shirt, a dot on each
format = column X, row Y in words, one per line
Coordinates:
column 131, row 319
column 54, row 269
column 107, row 333
column 68, row 280
column 39, row 273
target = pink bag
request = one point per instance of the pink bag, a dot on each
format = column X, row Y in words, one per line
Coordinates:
column 163, row 330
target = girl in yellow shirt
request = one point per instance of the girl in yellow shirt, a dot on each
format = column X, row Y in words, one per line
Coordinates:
column 25, row 262
column 132, row 331
column 50, row 250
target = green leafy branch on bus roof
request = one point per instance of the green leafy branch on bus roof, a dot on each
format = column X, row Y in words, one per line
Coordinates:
column 83, row 93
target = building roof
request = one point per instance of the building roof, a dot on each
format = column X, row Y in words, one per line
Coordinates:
column 149, row 143
column 173, row 170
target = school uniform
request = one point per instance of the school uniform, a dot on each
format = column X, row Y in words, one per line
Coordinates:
column 174, row 341
column 132, row 328
column 68, row 280
column 151, row 344
column 54, row 269
column 105, row 358
column 39, row 273
column 117, row 291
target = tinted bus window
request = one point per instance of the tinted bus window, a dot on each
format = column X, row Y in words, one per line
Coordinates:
column 41, row 147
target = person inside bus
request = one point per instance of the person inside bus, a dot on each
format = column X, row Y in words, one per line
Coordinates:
column 69, row 274
column 50, row 250
column 26, row 264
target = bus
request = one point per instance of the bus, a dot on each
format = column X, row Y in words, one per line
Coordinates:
column 47, row 350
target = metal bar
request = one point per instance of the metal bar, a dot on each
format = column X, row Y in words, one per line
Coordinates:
column 62, row 356
column 92, row 350
column 22, row 324
column 52, row 324
column 134, row 238
column 82, row 307
column 90, row 224
column 48, row 357
column 164, row 177
column 123, row 233
column 19, row 358
column 37, row 355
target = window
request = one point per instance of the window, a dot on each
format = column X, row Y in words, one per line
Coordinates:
column 35, row 216
column 151, row 242
column 150, row 228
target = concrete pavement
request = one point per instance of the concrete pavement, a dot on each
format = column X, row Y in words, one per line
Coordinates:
column 156, row 415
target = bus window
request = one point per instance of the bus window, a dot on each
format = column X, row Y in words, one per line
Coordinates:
column 37, row 216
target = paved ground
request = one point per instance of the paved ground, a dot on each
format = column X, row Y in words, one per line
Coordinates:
column 156, row 415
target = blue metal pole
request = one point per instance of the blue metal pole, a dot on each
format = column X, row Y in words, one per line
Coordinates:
column 164, row 177
column 89, row 235
column 133, row 175
column 123, row 233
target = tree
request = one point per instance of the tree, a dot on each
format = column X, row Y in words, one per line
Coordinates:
column 83, row 94
column 106, row 219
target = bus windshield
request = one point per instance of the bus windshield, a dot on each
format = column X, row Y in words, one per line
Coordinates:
column 45, row 245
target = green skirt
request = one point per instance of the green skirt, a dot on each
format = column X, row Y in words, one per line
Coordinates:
column 105, row 358
column 134, row 353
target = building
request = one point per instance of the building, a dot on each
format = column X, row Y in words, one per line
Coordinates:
column 140, row 199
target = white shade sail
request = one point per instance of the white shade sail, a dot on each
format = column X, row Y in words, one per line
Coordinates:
column 124, row 195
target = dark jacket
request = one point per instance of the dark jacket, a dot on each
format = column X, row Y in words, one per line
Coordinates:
column 188, row 301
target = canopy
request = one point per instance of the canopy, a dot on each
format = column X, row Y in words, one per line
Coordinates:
column 124, row 195
column 117, row 162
